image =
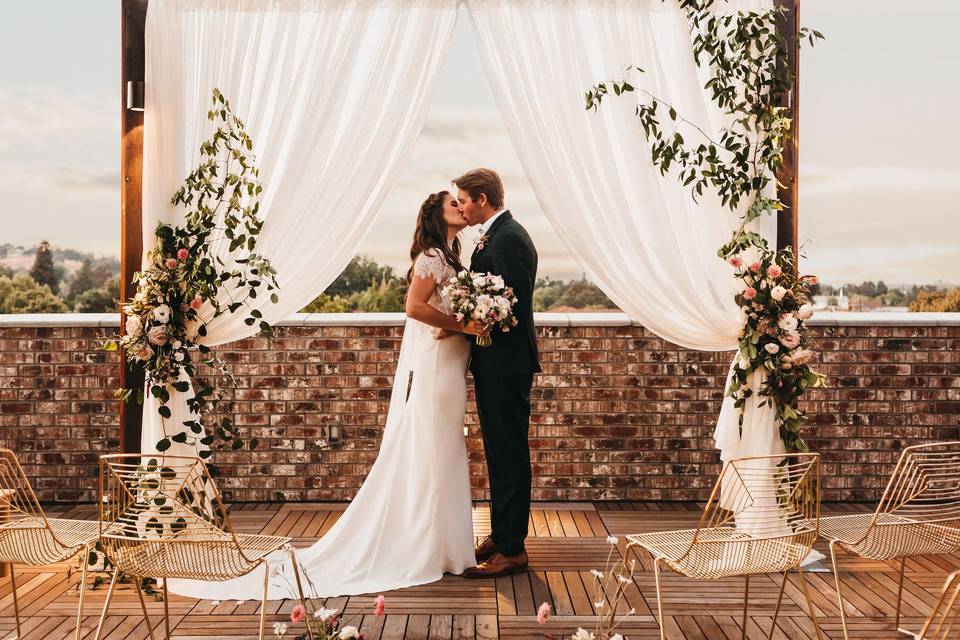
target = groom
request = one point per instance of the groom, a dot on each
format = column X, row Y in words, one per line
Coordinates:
column 503, row 373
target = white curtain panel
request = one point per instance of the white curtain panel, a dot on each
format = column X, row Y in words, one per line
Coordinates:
column 639, row 235
column 333, row 93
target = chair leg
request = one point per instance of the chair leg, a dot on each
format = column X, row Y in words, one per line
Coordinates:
column 303, row 600
column 903, row 568
column 746, row 604
column 166, row 608
column 656, row 579
column 813, row 612
column 143, row 605
column 83, row 583
column 16, row 605
column 266, row 590
column 776, row 611
column 106, row 603
column 836, row 580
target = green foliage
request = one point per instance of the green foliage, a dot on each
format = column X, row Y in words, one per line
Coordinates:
column 576, row 294
column 937, row 301
column 102, row 299
column 90, row 275
column 364, row 285
column 21, row 294
column 327, row 304
column 389, row 295
column 359, row 275
column 43, row 271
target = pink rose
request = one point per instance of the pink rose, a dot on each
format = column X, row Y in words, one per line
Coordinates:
column 196, row 303
column 543, row 613
column 802, row 356
column 183, row 254
column 171, row 263
column 749, row 293
column 774, row 271
column 157, row 335
column 755, row 267
column 791, row 340
column 812, row 279
column 379, row 605
column 736, row 262
column 299, row 613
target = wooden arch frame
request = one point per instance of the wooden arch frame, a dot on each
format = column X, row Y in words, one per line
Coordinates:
column 133, row 20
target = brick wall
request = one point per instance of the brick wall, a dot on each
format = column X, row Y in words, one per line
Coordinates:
column 618, row 412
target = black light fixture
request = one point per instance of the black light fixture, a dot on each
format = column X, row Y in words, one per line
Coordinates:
column 135, row 95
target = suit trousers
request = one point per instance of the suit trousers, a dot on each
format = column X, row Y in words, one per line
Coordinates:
column 503, row 405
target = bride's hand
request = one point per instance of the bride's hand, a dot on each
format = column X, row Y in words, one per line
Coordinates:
column 476, row 328
column 442, row 334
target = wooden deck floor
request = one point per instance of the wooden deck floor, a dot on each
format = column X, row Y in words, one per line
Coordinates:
column 567, row 540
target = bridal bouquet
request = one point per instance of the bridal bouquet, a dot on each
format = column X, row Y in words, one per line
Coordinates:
column 483, row 297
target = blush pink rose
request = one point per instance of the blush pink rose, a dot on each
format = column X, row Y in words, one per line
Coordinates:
column 379, row 606
column 196, row 303
column 791, row 340
column 812, row 279
column 171, row 263
column 774, row 271
column 755, row 267
column 543, row 613
column 157, row 336
column 736, row 262
column 749, row 293
column 183, row 254
column 299, row 614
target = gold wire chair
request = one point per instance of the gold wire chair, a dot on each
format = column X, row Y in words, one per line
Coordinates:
column 28, row 537
column 161, row 517
column 944, row 615
column 761, row 518
column 919, row 514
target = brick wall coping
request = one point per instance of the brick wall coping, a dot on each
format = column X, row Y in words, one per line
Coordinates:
column 603, row 319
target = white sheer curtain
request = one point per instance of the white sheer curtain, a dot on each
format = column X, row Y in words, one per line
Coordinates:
column 333, row 93
column 639, row 235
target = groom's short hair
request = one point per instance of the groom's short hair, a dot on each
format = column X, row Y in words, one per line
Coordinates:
column 477, row 181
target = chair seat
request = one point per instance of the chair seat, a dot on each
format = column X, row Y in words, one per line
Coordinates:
column 724, row 551
column 892, row 537
column 29, row 541
column 193, row 557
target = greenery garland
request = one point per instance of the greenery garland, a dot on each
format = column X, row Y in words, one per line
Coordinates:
column 189, row 281
column 747, row 54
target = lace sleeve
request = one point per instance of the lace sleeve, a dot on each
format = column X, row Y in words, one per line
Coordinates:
column 430, row 264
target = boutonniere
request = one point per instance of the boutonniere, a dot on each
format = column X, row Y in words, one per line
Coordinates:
column 481, row 242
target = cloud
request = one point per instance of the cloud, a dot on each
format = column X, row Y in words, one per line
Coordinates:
column 37, row 114
column 67, row 181
column 823, row 180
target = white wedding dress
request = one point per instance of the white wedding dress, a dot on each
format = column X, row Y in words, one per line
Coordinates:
column 411, row 520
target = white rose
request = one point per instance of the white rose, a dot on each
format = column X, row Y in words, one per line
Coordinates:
column 791, row 340
column 349, row 632
column 777, row 293
column 582, row 634
column 133, row 326
column 616, row 636
column 788, row 322
column 176, row 344
column 178, row 356
column 162, row 314
column 805, row 312
column 772, row 348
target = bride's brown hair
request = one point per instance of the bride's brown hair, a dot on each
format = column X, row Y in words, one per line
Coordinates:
column 431, row 233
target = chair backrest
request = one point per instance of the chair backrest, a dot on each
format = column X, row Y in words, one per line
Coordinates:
column 941, row 624
column 766, row 497
column 16, row 494
column 158, row 499
column 924, row 486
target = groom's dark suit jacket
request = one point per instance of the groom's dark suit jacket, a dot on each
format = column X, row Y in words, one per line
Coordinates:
column 509, row 252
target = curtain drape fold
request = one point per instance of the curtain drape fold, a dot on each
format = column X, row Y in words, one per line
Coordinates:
column 333, row 94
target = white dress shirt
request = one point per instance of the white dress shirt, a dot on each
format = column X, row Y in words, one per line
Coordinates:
column 489, row 223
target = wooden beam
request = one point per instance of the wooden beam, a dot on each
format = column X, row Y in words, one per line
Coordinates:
column 788, row 222
column 133, row 22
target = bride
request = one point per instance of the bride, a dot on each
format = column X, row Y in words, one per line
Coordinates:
column 411, row 520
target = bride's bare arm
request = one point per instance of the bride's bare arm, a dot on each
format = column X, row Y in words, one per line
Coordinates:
column 419, row 308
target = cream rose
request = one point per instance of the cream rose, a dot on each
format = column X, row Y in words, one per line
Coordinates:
column 157, row 335
column 805, row 312
column 788, row 322
column 161, row 314
column 772, row 348
column 791, row 340
column 777, row 293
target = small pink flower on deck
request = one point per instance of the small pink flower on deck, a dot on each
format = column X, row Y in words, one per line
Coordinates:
column 543, row 613
column 299, row 614
column 379, row 605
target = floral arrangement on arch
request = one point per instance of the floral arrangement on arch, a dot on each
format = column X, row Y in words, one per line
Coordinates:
column 186, row 283
column 747, row 53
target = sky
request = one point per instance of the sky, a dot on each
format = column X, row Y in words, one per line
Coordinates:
column 879, row 167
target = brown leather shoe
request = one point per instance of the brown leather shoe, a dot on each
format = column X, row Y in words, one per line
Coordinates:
column 498, row 565
column 485, row 549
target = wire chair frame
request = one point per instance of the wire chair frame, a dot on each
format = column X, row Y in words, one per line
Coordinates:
column 161, row 517
column 762, row 517
column 944, row 615
column 918, row 514
column 28, row 537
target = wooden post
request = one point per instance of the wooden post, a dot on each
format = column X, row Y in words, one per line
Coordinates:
column 787, row 223
column 133, row 22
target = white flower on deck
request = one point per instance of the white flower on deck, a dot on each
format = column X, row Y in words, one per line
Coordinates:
column 616, row 636
column 582, row 634
column 323, row 614
column 349, row 632
column 279, row 629
column 612, row 539
column 597, row 574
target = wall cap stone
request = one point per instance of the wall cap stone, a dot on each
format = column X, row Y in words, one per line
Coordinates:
column 589, row 319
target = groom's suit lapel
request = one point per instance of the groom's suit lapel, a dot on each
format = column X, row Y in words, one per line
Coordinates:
column 506, row 215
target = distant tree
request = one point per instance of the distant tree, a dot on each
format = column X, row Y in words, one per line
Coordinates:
column 881, row 288
column 43, row 271
column 327, row 304
column 21, row 294
column 359, row 274
column 546, row 293
column 91, row 275
column 6, row 271
column 389, row 296
column 942, row 301
column 102, row 299
column 583, row 294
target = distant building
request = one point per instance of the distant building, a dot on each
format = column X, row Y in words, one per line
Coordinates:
column 838, row 302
